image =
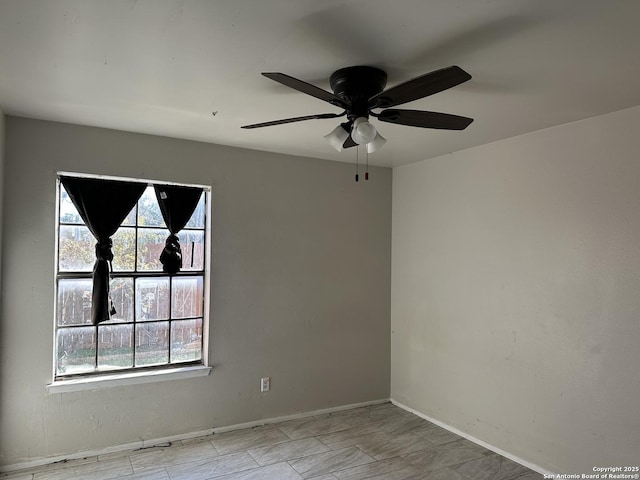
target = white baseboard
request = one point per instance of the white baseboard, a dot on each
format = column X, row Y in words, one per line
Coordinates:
column 174, row 438
column 499, row 451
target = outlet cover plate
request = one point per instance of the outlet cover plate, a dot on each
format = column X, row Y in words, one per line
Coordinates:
column 265, row 384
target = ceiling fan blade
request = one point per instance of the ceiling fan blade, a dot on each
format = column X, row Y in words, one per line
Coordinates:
column 419, row 118
column 294, row 119
column 307, row 88
column 420, row 87
column 348, row 143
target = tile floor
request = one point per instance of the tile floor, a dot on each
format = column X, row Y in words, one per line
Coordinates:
column 376, row 442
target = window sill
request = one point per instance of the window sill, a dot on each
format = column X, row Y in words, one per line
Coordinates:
column 130, row 378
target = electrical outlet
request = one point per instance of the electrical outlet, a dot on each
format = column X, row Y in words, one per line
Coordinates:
column 265, row 384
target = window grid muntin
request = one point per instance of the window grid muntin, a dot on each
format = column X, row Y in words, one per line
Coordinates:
column 183, row 232
column 134, row 275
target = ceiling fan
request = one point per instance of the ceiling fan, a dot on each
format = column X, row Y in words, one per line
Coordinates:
column 360, row 90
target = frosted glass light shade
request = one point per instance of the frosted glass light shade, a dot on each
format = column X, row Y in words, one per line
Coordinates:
column 376, row 144
column 363, row 131
column 337, row 137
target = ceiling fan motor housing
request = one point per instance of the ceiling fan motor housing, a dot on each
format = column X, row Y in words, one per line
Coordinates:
column 357, row 85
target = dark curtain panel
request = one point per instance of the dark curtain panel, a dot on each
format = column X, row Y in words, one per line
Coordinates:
column 177, row 205
column 103, row 205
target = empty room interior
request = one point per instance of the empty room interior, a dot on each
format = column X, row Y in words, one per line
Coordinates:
column 337, row 239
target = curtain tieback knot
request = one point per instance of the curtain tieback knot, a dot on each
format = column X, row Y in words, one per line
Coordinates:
column 103, row 250
column 173, row 241
column 171, row 256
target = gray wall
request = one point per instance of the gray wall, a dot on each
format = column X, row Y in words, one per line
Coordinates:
column 515, row 292
column 300, row 290
column 2, row 122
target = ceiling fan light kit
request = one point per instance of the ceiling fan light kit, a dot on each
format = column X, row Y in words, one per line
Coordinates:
column 360, row 90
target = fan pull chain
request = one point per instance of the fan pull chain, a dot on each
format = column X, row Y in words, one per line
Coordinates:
column 357, row 151
column 366, row 172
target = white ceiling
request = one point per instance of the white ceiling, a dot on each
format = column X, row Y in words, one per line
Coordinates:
column 164, row 66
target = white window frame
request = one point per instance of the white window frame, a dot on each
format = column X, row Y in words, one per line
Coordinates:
column 135, row 375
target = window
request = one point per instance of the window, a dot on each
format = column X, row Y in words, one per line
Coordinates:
column 160, row 318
